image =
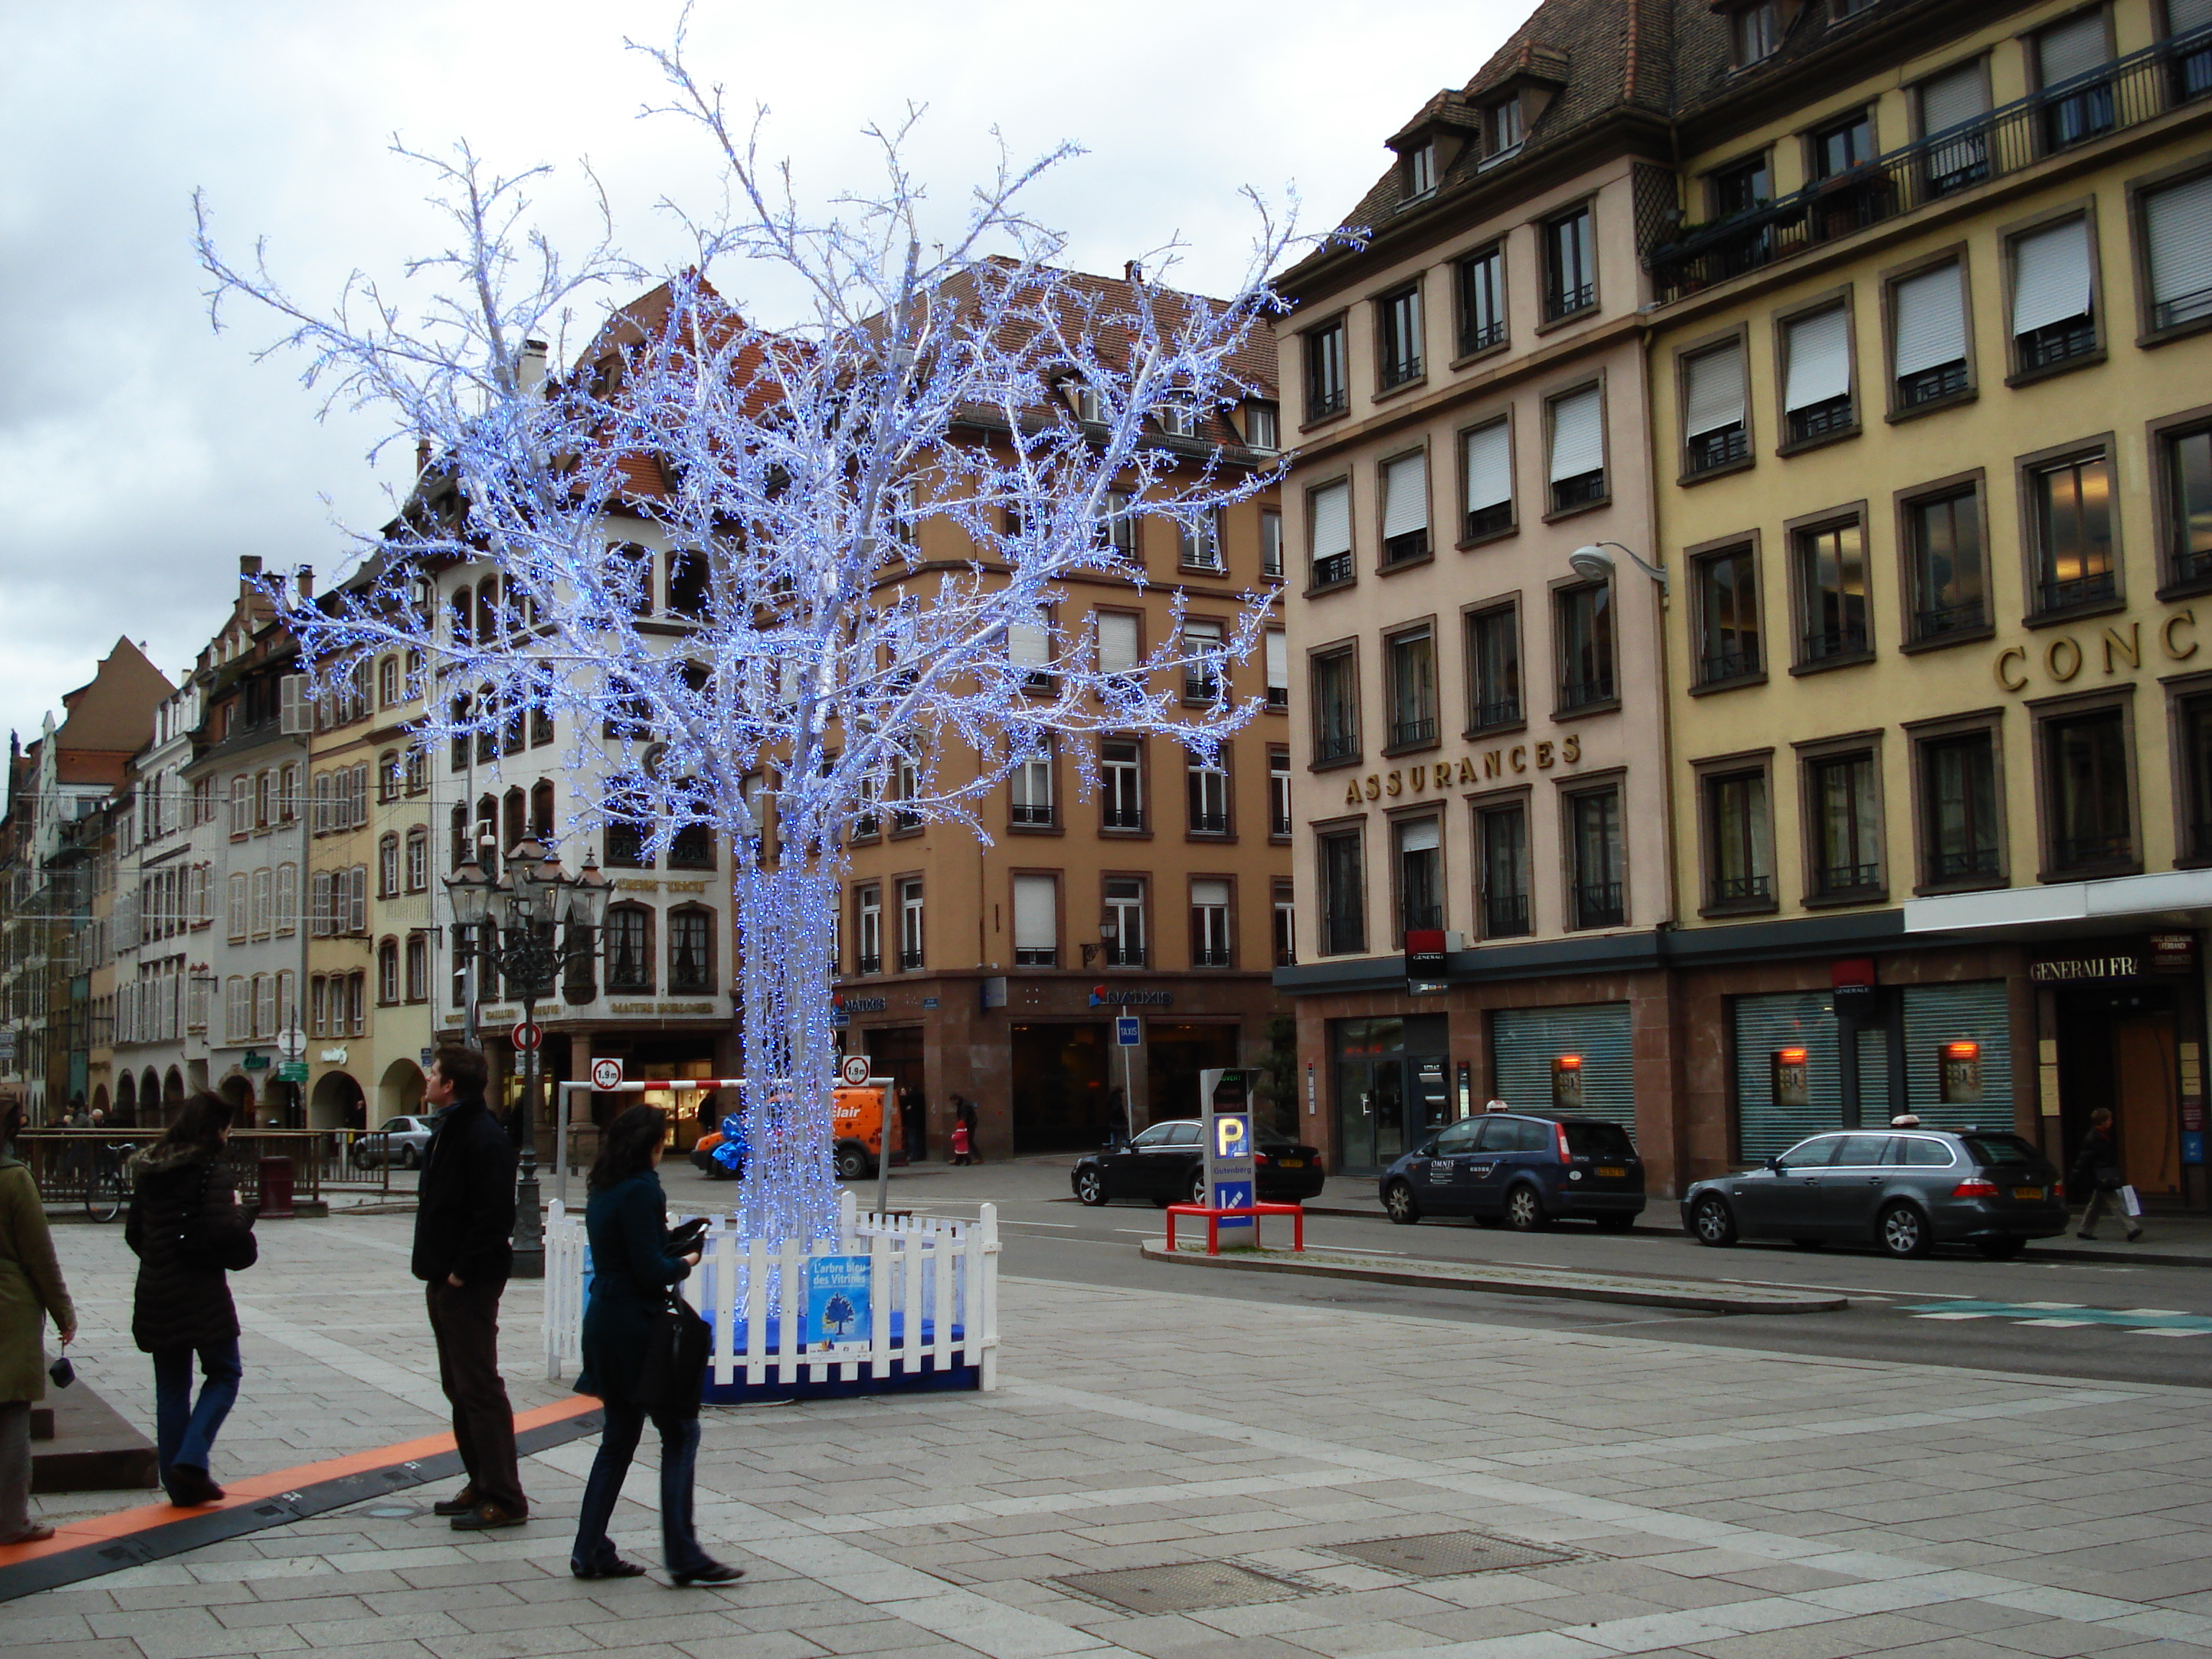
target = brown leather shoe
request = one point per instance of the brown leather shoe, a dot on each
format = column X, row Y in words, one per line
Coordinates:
column 486, row 1518
column 459, row 1504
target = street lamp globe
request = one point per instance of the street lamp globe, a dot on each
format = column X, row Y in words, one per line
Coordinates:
column 468, row 893
column 588, row 895
column 1592, row 564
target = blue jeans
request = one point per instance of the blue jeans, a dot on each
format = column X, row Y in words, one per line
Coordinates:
column 185, row 1432
column 679, row 1456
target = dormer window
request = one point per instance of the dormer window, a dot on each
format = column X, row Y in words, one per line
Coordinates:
column 1261, row 430
column 1502, row 128
column 1085, row 399
column 1177, row 420
column 1756, row 31
column 1421, row 170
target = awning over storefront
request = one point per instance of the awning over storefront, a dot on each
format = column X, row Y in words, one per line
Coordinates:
column 2169, row 893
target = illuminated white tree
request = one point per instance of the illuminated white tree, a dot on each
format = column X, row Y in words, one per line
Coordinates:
column 864, row 517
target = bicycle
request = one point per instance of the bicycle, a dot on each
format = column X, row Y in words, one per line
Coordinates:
column 106, row 1188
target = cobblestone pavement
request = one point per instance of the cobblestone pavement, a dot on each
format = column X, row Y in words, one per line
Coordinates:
column 1702, row 1501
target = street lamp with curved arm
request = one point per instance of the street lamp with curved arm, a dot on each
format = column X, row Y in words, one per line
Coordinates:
column 1593, row 563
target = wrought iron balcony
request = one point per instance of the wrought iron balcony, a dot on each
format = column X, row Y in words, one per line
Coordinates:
column 1505, row 915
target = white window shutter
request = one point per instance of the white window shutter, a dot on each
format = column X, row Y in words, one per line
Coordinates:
column 1489, row 467
column 1931, row 320
column 1406, row 496
column 1278, row 661
column 1117, row 642
column 2186, row 16
column 287, row 898
column 1332, row 521
column 1577, row 435
column 1820, row 349
column 295, row 716
column 318, row 913
column 1714, row 396
column 1419, row 835
column 238, row 906
column 1210, row 893
column 2074, row 48
column 357, row 900
column 2177, row 222
column 1035, row 914
column 2051, row 276
column 1029, row 644
column 1952, row 99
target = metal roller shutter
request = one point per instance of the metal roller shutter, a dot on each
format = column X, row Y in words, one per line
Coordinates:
column 1794, row 1019
column 1577, row 436
column 1715, row 396
column 1819, row 359
column 1525, row 1041
column 1931, row 320
column 1332, row 522
column 1938, row 1014
column 1406, row 496
column 2051, row 276
column 1489, row 467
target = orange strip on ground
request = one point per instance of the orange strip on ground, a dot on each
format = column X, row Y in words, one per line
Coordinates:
column 252, row 1488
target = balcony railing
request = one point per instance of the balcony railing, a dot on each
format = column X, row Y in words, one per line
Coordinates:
column 1324, row 400
column 910, row 960
column 1505, row 915
column 1743, row 889
column 1931, row 383
column 1421, row 729
column 872, row 964
column 1964, row 865
column 1209, row 822
column 1580, row 694
column 1579, row 491
column 1503, row 711
column 2058, row 343
column 1946, row 619
column 1480, row 336
column 1846, row 878
column 1421, row 918
column 1820, row 420
column 1209, row 956
column 1492, row 521
column 2076, row 851
column 1728, row 664
column 2074, row 590
column 1397, row 372
column 1120, row 817
column 1124, row 956
column 1566, row 299
column 1712, row 450
column 1334, row 568
column 1336, row 745
column 1599, row 904
column 1034, row 817
column 1035, row 957
column 1821, row 644
column 2124, row 92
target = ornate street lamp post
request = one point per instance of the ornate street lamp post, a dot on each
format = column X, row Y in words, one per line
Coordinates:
column 525, row 947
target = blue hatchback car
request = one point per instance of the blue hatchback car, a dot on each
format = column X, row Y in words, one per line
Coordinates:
column 1526, row 1169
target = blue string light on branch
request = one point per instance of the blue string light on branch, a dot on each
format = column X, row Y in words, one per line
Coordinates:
column 774, row 580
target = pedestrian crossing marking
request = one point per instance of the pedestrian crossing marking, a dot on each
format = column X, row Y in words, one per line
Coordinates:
column 2067, row 1315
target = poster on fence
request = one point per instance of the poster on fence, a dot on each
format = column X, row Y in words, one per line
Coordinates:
column 837, row 1320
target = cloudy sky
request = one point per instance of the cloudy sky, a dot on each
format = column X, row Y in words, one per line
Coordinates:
column 141, row 453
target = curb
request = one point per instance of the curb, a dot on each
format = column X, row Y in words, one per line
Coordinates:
column 1553, row 1285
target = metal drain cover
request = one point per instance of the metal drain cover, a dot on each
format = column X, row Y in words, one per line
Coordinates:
column 1446, row 1554
column 391, row 1512
column 1188, row 1587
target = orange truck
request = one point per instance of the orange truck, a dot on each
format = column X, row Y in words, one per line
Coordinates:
column 856, row 1133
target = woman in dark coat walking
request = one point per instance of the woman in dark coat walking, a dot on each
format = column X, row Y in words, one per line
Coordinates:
column 632, row 1275
column 184, row 1222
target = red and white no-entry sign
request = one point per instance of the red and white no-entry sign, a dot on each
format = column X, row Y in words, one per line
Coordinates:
column 526, row 1037
column 606, row 1074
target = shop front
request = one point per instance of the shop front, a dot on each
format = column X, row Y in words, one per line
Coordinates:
column 1392, row 1086
column 1576, row 1058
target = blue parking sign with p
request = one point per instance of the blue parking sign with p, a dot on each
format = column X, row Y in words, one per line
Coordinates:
column 1232, row 1136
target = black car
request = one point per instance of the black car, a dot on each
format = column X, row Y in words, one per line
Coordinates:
column 1524, row 1169
column 1165, row 1164
column 1906, row 1189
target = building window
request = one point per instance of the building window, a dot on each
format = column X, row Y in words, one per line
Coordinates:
column 906, row 786
column 1420, row 171
column 1817, row 380
column 1336, row 705
column 288, row 897
column 868, row 927
column 1398, row 353
column 1713, row 428
column 1740, row 848
column 418, row 860
column 1285, row 924
column 1037, row 921
column 630, row 948
column 2186, row 458
column 691, row 848
column 1493, row 668
column 1122, row 928
column 1951, row 105
column 1570, row 265
column 1198, row 542
column 1945, row 564
column 1482, row 299
column 1845, row 808
column 1727, row 615
column 1329, row 518
column 1843, row 145
column 910, row 924
column 624, row 847
column 2194, row 715
column 1503, row 832
column 1271, row 542
column 1121, row 784
column 2178, row 251
column 1740, row 186
column 1117, row 525
column 1598, row 861
column 387, row 868
column 1929, row 332
column 1343, row 894
column 2071, row 505
column 1487, row 452
column 2053, row 297
column 1406, row 508
column 1207, row 783
column 1585, row 634
column 1503, row 127
column 1209, row 924
column 689, row 579
column 1411, row 658
column 2077, row 97
column 1262, row 428
column 691, row 950
column 2085, row 760
column 1832, row 589
column 1325, row 377
column 387, row 973
column 1756, row 32
column 1578, row 470
column 1276, row 649
column 1279, row 791
column 1419, row 857
column 1031, row 787
column 1203, row 680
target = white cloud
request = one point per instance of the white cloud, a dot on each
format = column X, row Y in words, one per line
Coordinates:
column 141, row 453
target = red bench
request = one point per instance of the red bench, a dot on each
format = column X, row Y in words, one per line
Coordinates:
column 1214, row 1213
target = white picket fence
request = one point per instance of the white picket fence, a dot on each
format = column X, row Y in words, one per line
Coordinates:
column 941, row 1277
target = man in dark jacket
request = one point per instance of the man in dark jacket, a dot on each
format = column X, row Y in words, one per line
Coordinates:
column 464, row 1212
column 2098, row 1168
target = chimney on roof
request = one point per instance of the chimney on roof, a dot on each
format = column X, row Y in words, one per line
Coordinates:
column 304, row 581
column 422, row 456
column 1132, row 273
column 530, row 366
column 249, row 564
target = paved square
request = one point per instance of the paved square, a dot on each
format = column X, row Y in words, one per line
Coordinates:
column 1706, row 1501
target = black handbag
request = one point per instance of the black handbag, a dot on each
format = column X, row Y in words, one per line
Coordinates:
column 673, row 1368
column 235, row 1251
